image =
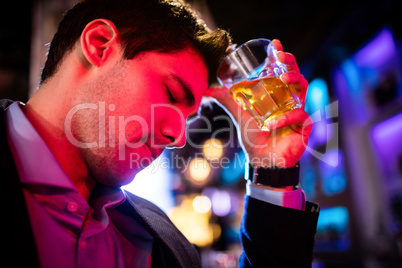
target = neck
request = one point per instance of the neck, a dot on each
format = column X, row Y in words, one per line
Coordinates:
column 47, row 114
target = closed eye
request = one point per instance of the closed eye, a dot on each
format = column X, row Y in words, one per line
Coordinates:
column 170, row 96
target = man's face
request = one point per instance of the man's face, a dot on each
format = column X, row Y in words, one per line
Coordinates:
column 135, row 109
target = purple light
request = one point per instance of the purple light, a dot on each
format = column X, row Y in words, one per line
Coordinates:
column 378, row 51
column 386, row 137
column 341, row 86
column 221, row 204
column 361, row 72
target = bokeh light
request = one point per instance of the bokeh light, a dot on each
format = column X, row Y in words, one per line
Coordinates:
column 202, row 204
column 199, row 170
column 212, row 149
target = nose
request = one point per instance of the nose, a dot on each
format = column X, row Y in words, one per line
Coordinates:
column 174, row 133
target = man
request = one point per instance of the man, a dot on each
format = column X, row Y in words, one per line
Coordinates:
column 121, row 79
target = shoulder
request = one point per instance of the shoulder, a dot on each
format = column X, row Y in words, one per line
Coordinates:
column 174, row 244
column 4, row 103
column 142, row 205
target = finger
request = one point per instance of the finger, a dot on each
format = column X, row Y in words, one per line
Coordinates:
column 291, row 77
column 307, row 127
column 298, row 84
column 304, row 87
column 296, row 117
column 277, row 44
column 288, row 59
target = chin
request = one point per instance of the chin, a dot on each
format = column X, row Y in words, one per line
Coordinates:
column 118, row 178
column 112, row 171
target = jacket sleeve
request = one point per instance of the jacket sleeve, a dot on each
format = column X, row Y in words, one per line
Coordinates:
column 274, row 236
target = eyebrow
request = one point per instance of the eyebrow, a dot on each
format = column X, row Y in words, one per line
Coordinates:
column 190, row 99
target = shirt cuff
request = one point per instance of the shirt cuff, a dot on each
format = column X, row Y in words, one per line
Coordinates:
column 291, row 199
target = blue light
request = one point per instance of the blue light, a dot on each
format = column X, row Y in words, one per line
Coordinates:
column 333, row 176
column 332, row 229
column 353, row 78
column 234, row 170
column 308, row 179
column 355, row 100
column 317, row 100
column 341, row 87
column 333, row 219
column 317, row 96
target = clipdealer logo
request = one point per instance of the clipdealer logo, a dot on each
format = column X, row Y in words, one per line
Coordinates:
column 116, row 127
column 327, row 119
column 112, row 129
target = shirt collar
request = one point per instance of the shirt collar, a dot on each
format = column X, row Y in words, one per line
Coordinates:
column 104, row 197
column 35, row 162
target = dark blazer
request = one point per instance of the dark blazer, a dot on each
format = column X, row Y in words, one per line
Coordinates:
column 271, row 236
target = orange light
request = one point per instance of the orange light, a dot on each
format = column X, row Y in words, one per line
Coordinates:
column 199, row 170
column 213, row 149
column 192, row 218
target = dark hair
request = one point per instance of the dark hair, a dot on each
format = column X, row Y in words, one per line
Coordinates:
column 142, row 25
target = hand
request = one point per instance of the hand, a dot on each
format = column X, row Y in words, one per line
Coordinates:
column 286, row 141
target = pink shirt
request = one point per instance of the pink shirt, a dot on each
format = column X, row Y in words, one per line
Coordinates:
column 68, row 230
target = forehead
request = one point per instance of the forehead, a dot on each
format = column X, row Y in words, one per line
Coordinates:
column 186, row 64
column 190, row 67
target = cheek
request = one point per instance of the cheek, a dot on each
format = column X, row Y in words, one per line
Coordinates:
column 167, row 112
column 81, row 125
column 128, row 128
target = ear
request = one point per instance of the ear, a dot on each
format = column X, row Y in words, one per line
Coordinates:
column 98, row 41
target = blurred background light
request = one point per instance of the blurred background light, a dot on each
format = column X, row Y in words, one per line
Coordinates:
column 333, row 229
column 334, row 218
column 378, row 51
column 192, row 217
column 387, row 134
column 199, row 170
column 212, row 149
column 387, row 142
column 317, row 101
column 202, row 204
column 233, row 171
column 333, row 176
column 352, row 74
column 154, row 183
column 317, row 96
column 308, row 179
column 221, row 204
